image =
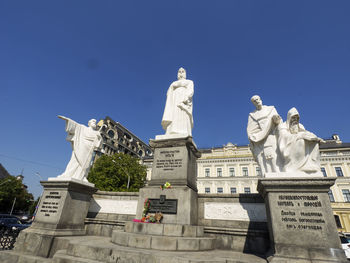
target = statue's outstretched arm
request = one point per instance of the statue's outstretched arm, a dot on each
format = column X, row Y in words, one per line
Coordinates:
column 62, row 117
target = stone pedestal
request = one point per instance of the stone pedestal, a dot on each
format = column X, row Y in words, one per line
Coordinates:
column 62, row 211
column 300, row 220
column 174, row 162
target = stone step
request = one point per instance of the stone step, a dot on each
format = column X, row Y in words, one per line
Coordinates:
column 163, row 242
column 62, row 257
column 164, row 229
column 100, row 249
column 11, row 256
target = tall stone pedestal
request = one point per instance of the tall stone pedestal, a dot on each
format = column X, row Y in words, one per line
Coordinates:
column 300, row 220
column 174, row 162
column 62, row 211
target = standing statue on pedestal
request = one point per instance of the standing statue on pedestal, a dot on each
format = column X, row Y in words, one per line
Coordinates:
column 177, row 117
column 84, row 141
column 299, row 147
column 261, row 133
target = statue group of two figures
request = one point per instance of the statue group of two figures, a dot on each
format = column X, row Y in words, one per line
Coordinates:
column 282, row 148
column 277, row 146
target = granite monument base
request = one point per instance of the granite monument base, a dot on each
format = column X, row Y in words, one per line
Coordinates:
column 300, row 220
column 178, row 204
column 62, row 211
column 174, row 162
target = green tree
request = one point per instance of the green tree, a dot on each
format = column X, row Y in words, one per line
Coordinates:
column 11, row 188
column 112, row 173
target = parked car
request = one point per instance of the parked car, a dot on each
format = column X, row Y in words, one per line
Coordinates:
column 12, row 223
column 345, row 245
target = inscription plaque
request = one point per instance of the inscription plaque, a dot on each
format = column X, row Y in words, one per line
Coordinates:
column 300, row 212
column 165, row 206
column 50, row 204
column 169, row 160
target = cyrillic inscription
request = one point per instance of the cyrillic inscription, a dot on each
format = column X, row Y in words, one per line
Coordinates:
column 168, row 160
column 50, row 203
column 298, row 212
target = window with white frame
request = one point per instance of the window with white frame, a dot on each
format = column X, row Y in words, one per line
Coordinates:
column 258, row 171
column 247, row 190
column 323, row 170
column 331, row 197
column 220, row 190
column 339, row 172
column 346, row 195
column 207, row 172
column 233, row 190
column 207, row 190
column 219, row 172
column 245, row 171
column 232, row 172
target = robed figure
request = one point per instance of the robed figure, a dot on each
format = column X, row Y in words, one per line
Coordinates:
column 177, row 117
column 84, row 141
column 261, row 128
column 299, row 147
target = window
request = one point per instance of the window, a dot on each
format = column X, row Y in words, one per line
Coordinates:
column 337, row 221
column 219, row 172
column 207, row 190
column 323, row 170
column 207, row 172
column 339, row 172
column 220, row 191
column 232, row 172
column 331, row 197
column 233, row 190
column 346, row 195
column 245, row 171
column 258, row 171
column 247, row 190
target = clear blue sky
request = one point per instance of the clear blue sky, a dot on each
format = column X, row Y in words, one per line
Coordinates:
column 86, row 59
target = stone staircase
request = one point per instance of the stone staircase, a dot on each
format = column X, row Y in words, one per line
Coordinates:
column 150, row 243
column 169, row 237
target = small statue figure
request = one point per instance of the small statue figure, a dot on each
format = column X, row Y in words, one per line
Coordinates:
column 84, row 141
column 299, row 148
column 261, row 133
column 177, row 117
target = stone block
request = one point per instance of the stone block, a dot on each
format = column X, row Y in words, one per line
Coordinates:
column 173, row 230
column 139, row 241
column 120, row 238
column 206, row 243
column 164, row 243
column 154, row 229
column 129, row 227
column 188, row 244
column 189, row 231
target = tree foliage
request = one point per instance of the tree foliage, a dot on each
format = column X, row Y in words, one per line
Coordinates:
column 11, row 188
column 111, row 173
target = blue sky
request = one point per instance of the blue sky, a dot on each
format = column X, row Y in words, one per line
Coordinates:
column 91, row 59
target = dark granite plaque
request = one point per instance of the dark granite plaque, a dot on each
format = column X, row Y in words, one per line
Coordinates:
column 165, row 206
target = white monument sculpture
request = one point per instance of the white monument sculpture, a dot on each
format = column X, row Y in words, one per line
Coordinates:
column 261, row 130
column 84, row 141
column 177, row 119
column 299, row 148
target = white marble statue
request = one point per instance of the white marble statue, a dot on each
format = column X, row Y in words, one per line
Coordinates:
column 84, row 141
column 177, row 117
column 298, row 147
column 261, row 128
